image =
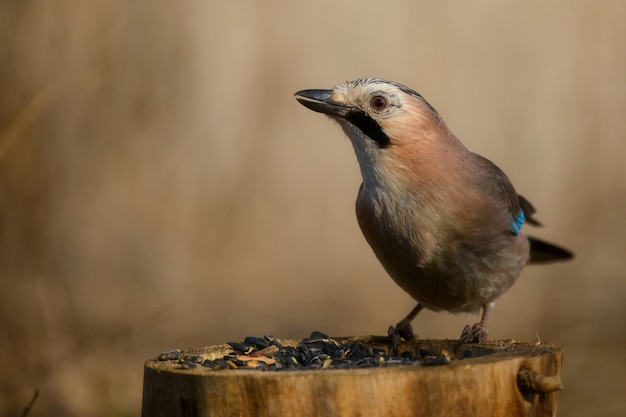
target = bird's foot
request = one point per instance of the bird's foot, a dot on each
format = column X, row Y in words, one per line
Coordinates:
column 402, row 330
column 474, row 334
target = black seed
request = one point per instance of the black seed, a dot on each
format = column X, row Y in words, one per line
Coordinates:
column 216, row 365
column 318, row 335
column 239, row 363
column 319, row 351
column 338, row 354
column 257, row 342
column 170, row 355
column 241, row 347
column 426, row 353
column 378, row 352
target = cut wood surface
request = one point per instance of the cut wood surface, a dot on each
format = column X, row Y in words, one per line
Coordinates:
column 495, row 378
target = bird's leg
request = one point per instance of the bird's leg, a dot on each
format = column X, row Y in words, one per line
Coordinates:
column 403, row 329
column 477, row 333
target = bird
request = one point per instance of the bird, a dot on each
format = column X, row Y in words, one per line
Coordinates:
column 444, row 222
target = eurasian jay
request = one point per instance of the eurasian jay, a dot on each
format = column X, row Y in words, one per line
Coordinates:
column 444, row 222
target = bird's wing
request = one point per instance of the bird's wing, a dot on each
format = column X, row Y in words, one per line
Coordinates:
column 529, row 210
column 494, row 182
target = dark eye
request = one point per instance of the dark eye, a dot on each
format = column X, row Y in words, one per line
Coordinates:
column 379, row 102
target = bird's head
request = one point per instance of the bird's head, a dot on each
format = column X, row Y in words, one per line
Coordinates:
column 392, row 127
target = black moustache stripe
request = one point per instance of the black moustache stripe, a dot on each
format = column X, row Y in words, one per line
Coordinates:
column 368, row 126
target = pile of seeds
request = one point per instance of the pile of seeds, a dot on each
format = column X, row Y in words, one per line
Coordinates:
column 319, row 351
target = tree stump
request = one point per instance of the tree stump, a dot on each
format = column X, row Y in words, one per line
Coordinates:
column 495, row 378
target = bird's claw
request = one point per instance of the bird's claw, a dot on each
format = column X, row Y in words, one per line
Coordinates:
column 474, row 334
column 402, row 330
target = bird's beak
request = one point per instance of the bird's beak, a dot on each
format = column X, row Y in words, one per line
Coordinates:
column 320, row 101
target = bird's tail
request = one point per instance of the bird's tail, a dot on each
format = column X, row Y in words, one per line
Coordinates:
column 541, row 251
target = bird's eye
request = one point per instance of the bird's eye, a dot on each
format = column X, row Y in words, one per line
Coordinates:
column 379, row 102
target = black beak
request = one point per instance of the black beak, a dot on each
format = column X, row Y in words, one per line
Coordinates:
column 319, row 101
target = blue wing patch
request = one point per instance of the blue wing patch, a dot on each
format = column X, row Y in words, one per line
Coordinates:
column 518, row 222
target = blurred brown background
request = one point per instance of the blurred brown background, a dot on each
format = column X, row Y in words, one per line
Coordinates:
column 161, row 188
